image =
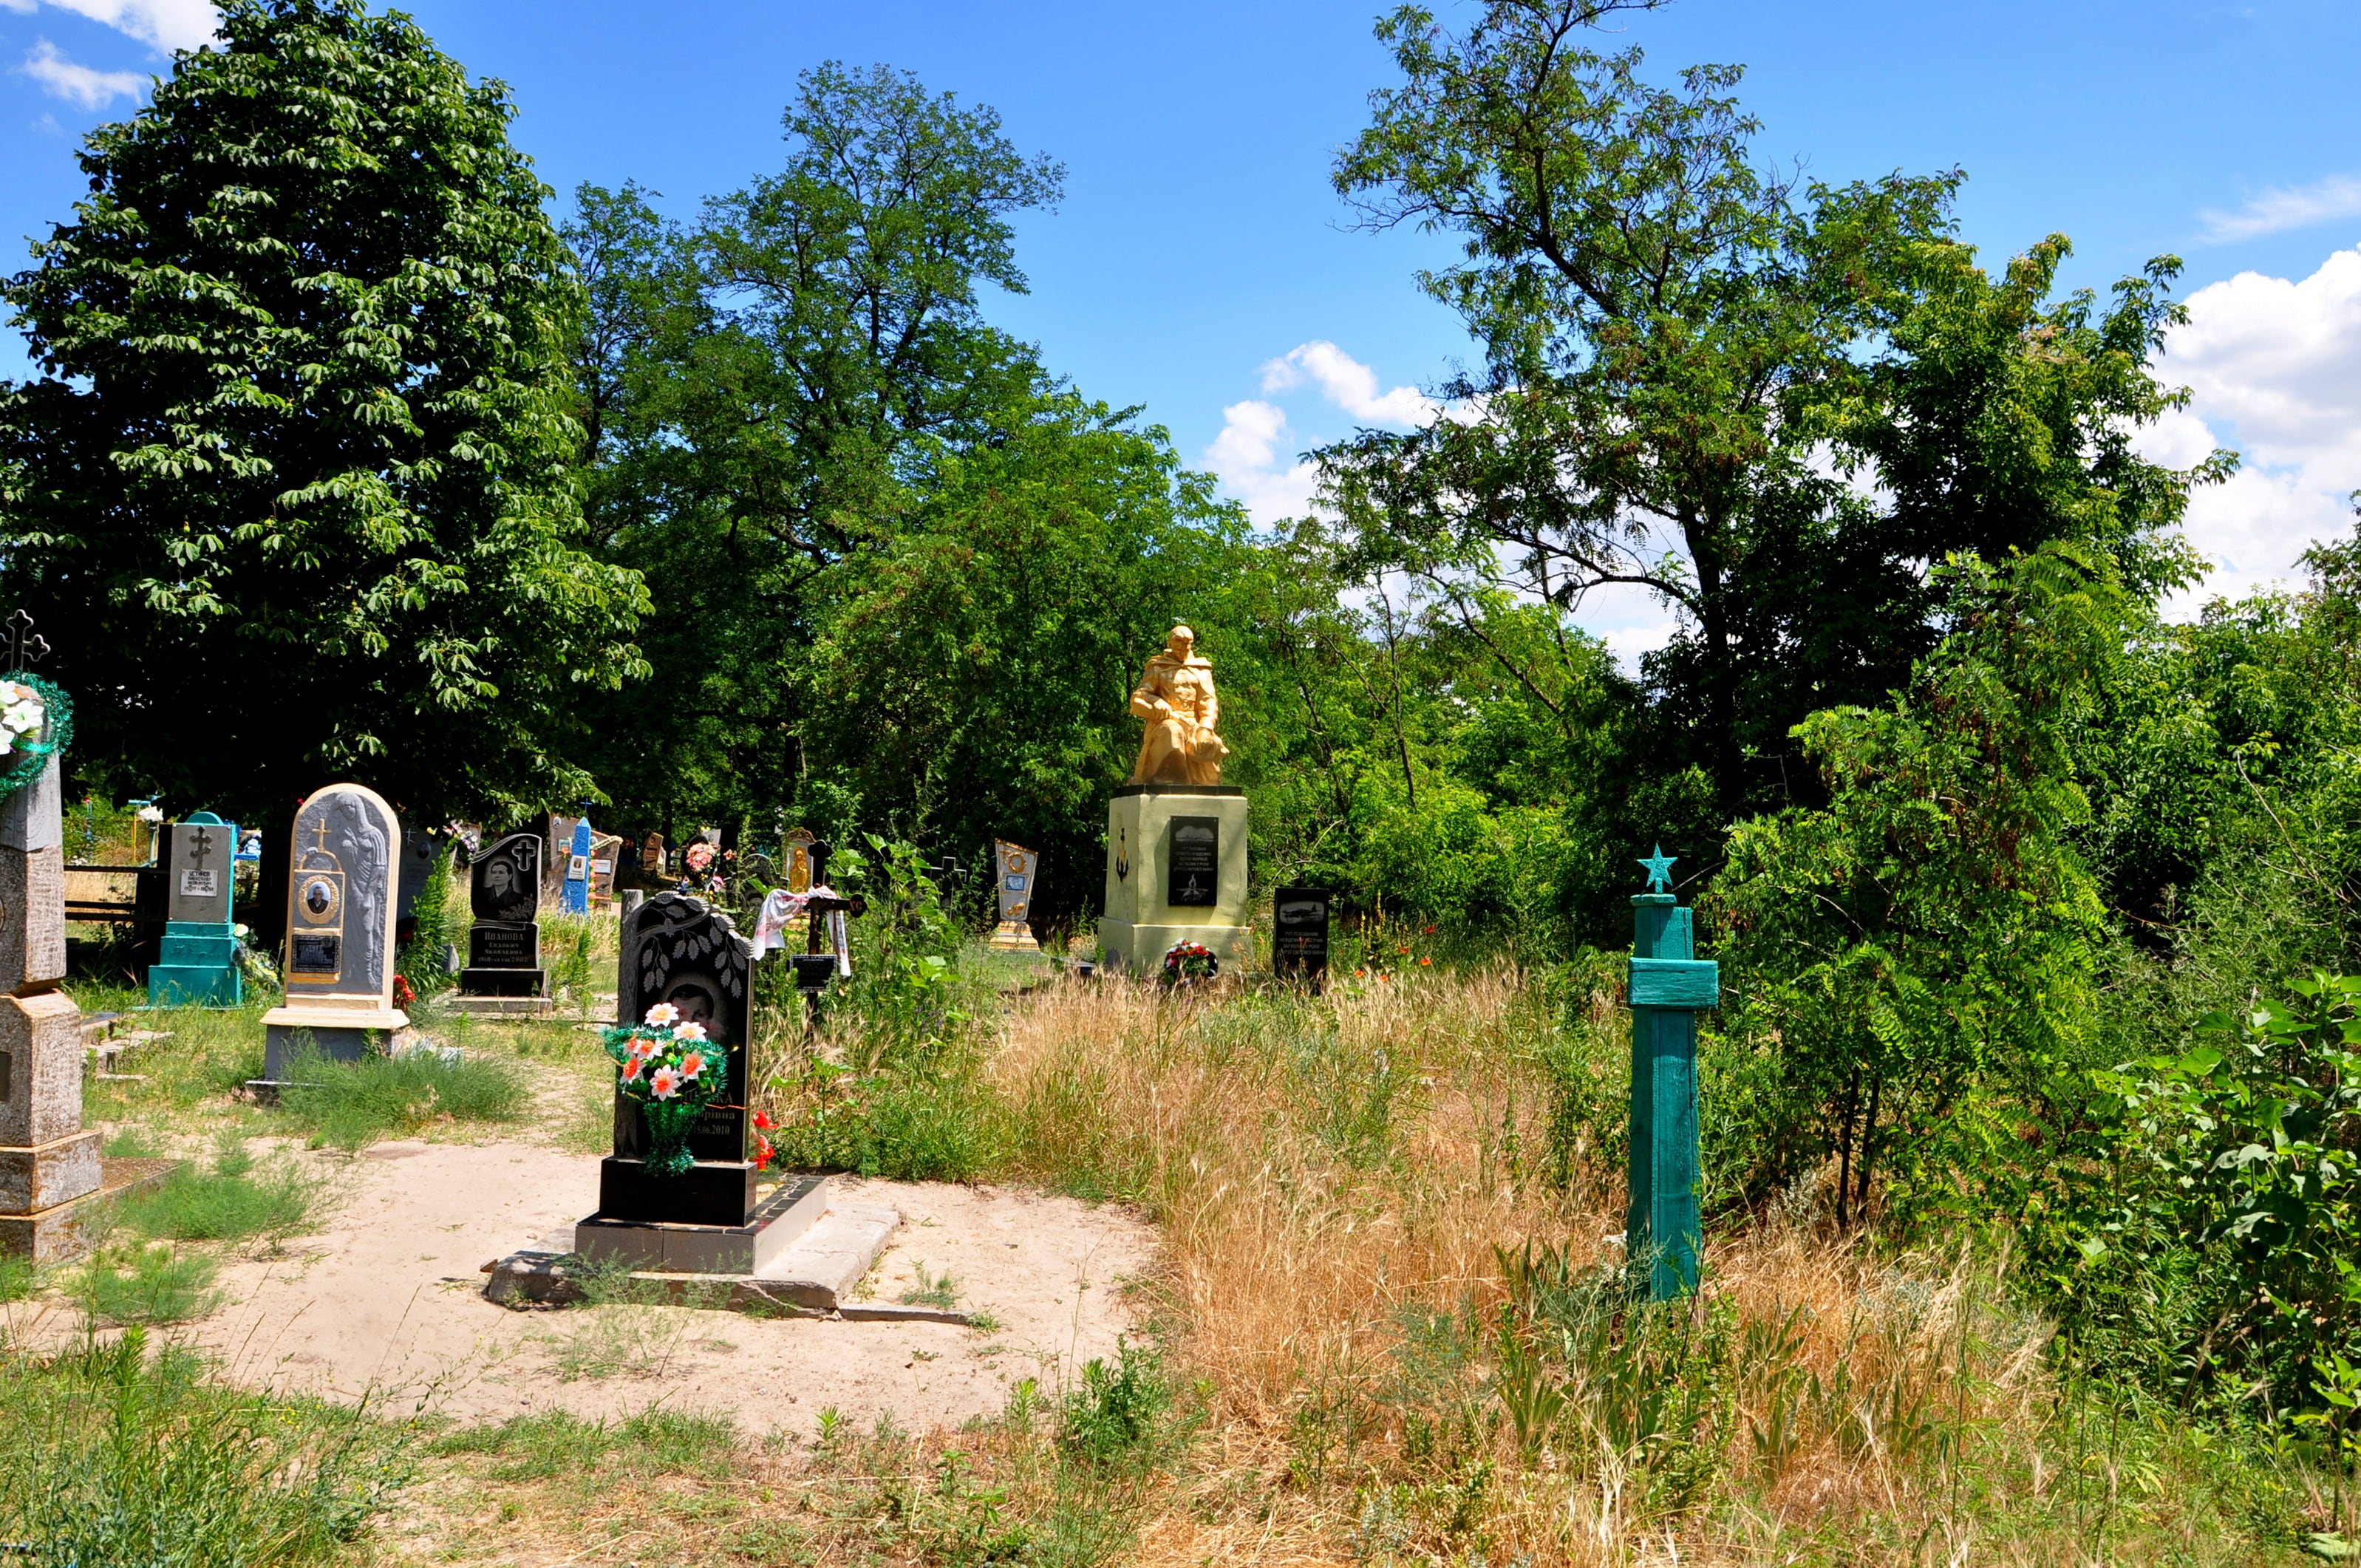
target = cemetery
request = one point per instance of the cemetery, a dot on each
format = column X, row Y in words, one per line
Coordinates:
column 663, row 900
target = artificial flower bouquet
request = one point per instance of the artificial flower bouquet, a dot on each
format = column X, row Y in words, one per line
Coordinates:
column 1185, row 964
column 675, row 1070
column 23, row 715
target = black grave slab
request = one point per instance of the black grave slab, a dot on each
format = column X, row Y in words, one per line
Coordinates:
column 1299, row 947
column 500, row 944
column 504, row 881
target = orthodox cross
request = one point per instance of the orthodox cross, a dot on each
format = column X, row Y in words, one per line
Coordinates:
column 25, row 649
column 200, row 846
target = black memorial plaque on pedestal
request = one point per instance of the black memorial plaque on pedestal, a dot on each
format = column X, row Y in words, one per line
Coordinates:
column 1192, row 861
column 497, row 944
column 1299, row 948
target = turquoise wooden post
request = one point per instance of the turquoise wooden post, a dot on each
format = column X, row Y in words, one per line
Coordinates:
column 1669, row 986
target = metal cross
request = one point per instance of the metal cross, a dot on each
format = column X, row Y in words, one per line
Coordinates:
column 25, row 649
column 200, row 844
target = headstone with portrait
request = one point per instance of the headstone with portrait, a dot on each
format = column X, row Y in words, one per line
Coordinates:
column 680, row 950
column 337, row 965
column 504, row 944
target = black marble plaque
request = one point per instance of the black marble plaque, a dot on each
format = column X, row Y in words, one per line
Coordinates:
column 316, row 954
column 1192, row 861
column 1299, row 932
column 504, row 881
column 493, row 944
column 680, row 950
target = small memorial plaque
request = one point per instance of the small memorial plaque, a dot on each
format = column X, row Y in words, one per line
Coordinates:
column 1192, row 861
column 317, row 954
column 199, row 885
column 1300, row 940
column 494, row 945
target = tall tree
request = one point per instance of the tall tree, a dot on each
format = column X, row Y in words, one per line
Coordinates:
column 775, row 389
column 1675, row 342
column 292, row 492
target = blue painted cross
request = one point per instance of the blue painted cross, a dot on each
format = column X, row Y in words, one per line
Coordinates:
column 1669, row 986
column 576, row 899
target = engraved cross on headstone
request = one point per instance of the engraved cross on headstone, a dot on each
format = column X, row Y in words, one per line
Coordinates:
column 200, row 847
column 25, row 649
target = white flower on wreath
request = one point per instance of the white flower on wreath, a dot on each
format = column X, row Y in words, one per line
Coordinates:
column 662, row 1012
column 22, row 714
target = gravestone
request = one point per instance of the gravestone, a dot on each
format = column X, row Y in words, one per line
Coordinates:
column 418, row 851
column 679, row 950
column 574, row 897
column 337, row 967
column 1299, row 943
column 55, row 1188
column 197, row 966
column 504, row 944
column 1016, row 870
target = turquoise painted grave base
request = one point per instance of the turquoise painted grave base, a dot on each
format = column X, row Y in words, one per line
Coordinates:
column 198, row 966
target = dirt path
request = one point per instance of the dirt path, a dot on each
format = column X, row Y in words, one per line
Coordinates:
column 388, row 1296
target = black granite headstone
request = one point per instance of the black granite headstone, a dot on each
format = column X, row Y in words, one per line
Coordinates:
column 504, row 945
column 678, row 949
column 1192, row 861
column 1300, row 933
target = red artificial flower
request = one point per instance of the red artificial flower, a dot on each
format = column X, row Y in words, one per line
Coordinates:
column 764, row 1152
column 402, row 995
column 762, row 1121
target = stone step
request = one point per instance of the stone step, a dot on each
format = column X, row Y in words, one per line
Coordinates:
column 814, row 1276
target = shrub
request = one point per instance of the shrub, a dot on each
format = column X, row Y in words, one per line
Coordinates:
column 142, row 1284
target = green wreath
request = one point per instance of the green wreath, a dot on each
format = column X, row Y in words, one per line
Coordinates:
column 23, row 762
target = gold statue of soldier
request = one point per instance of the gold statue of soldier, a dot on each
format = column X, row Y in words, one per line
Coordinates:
column 1176, row 697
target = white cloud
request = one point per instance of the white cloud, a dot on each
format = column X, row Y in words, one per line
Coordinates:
column 1242, row 455
column 2276, row 212
column 1349, row 384
column 61, row 78
column 166, row 23
column 2274, row 368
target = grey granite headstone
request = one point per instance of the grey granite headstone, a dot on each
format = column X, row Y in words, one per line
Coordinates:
column 199, row 868
column 338, row 963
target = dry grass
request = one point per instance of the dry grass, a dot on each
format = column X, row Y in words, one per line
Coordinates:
column 1344, row 1184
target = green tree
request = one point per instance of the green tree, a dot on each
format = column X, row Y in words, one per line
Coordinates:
column 1675, row 341
column 1915, row 964
column 292, row 492
column 775, row 391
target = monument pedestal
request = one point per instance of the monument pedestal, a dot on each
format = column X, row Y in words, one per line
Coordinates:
column 198, row 966
column 339, row 1034
column 1176, row 871
column 744, row 1240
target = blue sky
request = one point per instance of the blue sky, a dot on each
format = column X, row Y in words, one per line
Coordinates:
column 1201, row 266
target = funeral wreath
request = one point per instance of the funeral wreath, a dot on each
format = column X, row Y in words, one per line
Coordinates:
column 1187, row 962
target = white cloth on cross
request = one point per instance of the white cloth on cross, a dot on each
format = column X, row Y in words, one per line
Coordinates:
column 781, row 906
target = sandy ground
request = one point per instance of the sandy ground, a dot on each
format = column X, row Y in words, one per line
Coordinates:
column 387, row 1299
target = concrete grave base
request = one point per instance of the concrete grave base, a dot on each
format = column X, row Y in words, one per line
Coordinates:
column 336, row 1032
column 813, row 1272
column 1140, row 949
column 780, row 1218
column 64, row 1231
column 502, row 1006
column 46, row 1174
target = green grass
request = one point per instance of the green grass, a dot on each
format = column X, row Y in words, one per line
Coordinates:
column 142, row 1283
column 554, row 1444
column 113, row 1455
column 233, row 1202
column 18, row 1277
column 353, row 1105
